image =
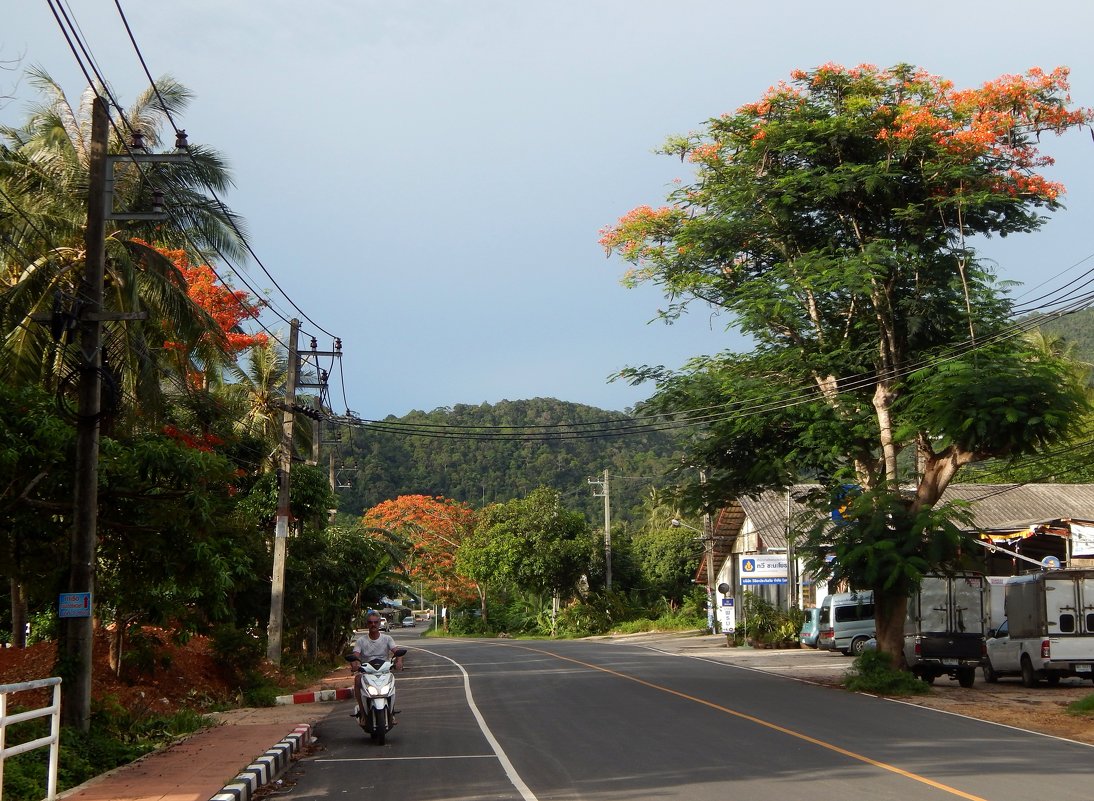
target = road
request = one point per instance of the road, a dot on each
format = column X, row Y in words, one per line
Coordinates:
column 525, row 720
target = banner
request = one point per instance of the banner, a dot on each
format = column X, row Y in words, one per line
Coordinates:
column 1082, row 540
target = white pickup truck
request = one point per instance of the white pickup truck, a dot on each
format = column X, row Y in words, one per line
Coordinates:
column 1049, row 629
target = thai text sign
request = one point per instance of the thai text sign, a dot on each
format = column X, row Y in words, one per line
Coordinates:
column 762, row 569
column 74, row 604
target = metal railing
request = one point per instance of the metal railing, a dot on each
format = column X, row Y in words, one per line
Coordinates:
column 53, row 740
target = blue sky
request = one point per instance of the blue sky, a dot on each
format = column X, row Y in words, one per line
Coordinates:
column 427, row 179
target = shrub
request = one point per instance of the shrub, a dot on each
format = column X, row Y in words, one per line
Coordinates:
column 873, row 672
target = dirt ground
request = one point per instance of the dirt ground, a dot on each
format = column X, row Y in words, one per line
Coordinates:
column 186, row 676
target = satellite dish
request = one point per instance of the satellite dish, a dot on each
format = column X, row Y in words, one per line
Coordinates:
column 1051, row 562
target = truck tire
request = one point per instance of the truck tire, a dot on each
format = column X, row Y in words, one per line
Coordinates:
column 858, row 645
column 966, row 676
column 1029, row 675
column 990, row 676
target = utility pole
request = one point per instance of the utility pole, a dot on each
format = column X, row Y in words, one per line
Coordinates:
column 78, row 632
column 281, row 530
column 605, row 493
column 708, row 539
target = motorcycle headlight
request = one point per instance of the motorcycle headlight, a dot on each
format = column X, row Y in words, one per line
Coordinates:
column 373, row 691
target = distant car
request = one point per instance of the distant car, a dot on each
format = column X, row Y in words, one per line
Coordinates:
column 408, row 623
column 383, row 624
column 810, row 628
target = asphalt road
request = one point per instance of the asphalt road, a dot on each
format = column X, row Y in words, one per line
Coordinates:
column 528, row 720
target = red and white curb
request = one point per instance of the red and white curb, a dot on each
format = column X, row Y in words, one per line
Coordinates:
column 310, row 698
column 267, row 768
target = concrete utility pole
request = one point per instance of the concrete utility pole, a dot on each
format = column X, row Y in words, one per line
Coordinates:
column 78, row 632
column 606, row 494
column 708, row 538
column 281, row 530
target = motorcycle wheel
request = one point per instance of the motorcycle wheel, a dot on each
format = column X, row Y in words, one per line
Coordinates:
column 379, row 725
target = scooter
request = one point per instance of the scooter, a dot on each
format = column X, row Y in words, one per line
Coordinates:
column 376, row 685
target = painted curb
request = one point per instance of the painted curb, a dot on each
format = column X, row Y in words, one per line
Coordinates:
column 310, row 698
column 267, row 768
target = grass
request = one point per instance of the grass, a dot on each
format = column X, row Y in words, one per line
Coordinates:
column 1084, row 707
column 116, row 738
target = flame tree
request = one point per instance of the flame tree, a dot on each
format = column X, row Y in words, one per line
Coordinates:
column 832, row 220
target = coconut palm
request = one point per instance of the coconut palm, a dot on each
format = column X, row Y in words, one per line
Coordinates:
column 43, row 195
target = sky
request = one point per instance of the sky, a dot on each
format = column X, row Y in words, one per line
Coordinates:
column 426, row 180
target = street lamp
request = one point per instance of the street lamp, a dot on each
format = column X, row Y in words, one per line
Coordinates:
column 708, row 548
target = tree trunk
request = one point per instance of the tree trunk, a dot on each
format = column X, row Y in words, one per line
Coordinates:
column 890, row 609
column 482, row 601
column 19, row 614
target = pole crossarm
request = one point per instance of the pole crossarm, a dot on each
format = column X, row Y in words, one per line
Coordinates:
column 137, row 158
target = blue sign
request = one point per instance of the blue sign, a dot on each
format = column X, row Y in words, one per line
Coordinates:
column 727, row 602
column 74, row 604
column 845, row 497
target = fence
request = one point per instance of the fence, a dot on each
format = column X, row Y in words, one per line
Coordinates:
column 53, row 740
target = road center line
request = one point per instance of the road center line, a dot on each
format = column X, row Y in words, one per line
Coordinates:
column 767, row 724
column 409, row 759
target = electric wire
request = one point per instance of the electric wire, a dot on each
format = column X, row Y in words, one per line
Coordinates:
column 243, row 239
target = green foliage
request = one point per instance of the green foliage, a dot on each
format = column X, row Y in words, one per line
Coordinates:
column 764, row 623
column 478, row 472
column 326, row 569
column 240, row 652
column 533, row 543
column 884, row 546
column 873, row 672
column 594, row 614
column 117, row 736
column 1084, row 707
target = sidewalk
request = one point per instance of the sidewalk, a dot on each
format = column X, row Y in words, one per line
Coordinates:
column 200, row 767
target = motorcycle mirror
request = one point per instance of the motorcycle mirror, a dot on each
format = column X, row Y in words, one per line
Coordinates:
column 399, row 652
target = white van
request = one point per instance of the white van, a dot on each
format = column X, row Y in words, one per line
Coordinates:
column 846, row 622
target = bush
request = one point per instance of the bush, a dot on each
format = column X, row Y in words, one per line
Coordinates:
column 873, row 672
column 765, row 624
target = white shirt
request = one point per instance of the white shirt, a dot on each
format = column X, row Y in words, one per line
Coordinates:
column 369, row 648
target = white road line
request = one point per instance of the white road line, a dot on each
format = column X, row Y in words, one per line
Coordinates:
column 514, row 777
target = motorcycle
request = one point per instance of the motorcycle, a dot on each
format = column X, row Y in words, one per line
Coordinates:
column 376, row 687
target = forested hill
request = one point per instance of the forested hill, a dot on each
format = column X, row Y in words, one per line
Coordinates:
column 1077, row 328
column 382, row 465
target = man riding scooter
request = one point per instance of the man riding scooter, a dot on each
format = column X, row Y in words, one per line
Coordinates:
column 372, row 645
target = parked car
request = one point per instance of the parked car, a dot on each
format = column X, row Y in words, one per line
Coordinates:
column 408, row 622
column 383, row 624
column 846, row 622
column 810, row 627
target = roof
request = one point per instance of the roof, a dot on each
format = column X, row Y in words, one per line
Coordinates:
column 1012, row 506
column 994, row 506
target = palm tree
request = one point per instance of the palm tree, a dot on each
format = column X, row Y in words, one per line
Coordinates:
column 43, row 195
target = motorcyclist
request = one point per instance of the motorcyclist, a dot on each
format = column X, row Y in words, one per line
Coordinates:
column 371, row 645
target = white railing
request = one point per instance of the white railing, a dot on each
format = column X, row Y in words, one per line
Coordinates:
column 53, row 740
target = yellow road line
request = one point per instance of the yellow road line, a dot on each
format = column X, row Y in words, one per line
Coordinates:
column 760, row 722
